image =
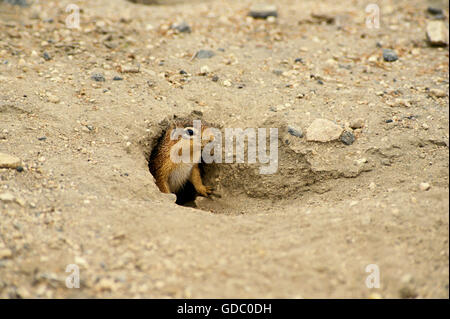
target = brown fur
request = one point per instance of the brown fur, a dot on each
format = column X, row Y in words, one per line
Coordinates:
column 172, row 176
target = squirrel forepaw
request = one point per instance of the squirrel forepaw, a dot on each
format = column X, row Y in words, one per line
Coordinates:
column 205, row 191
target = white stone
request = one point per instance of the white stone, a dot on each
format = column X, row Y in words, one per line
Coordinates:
column 437, row 33
column 9, row 161
column 7, row 197
column 322, row 130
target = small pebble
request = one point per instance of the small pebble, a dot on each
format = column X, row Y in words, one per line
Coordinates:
column 438, row 92
column 7, row 197
column 347, row 138
column 227, row 83
column 204, row 54
column 389, row 55
column 46, row 56
column 204, row 70
column 263, row 11
column 98, row 77
column 295, row 131
column 5, row 253
column 357, row 123
column 117, row 78
column 437, row 33
column 435, row 11
column 424, row 186
column 9, row 161
column 183, row 27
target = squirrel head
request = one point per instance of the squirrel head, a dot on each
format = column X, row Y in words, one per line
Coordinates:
column 184, row 135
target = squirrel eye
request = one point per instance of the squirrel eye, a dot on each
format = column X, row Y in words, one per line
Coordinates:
column 189, row 132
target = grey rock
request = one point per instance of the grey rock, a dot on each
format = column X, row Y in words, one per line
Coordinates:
column 347, row 138
column 182, row 27
column 117, row 78
column 204, row 54
column 389, row 55
column 46, row 56
column 98, row 77
column 295, row 131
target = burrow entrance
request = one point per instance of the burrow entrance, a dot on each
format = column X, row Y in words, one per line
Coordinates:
column 240, row 188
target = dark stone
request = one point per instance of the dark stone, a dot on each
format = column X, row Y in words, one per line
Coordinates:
column 183, row 72
column 46, row 56
column 19, row 169
column 43, row 138
column 295, row 131
column 215, row 78
column 347, row 138
column 98, row 77
column 183, row 27
column 298, row 60
column 435, row 11
column 117, row 78
column 389, row 55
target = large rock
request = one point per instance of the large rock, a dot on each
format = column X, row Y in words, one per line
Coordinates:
column 322, row 130
column 437, row 33
column 8, row 161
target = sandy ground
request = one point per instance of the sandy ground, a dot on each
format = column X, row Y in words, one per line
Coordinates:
column 86, row 196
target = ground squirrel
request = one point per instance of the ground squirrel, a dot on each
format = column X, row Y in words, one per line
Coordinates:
column 171, row 176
